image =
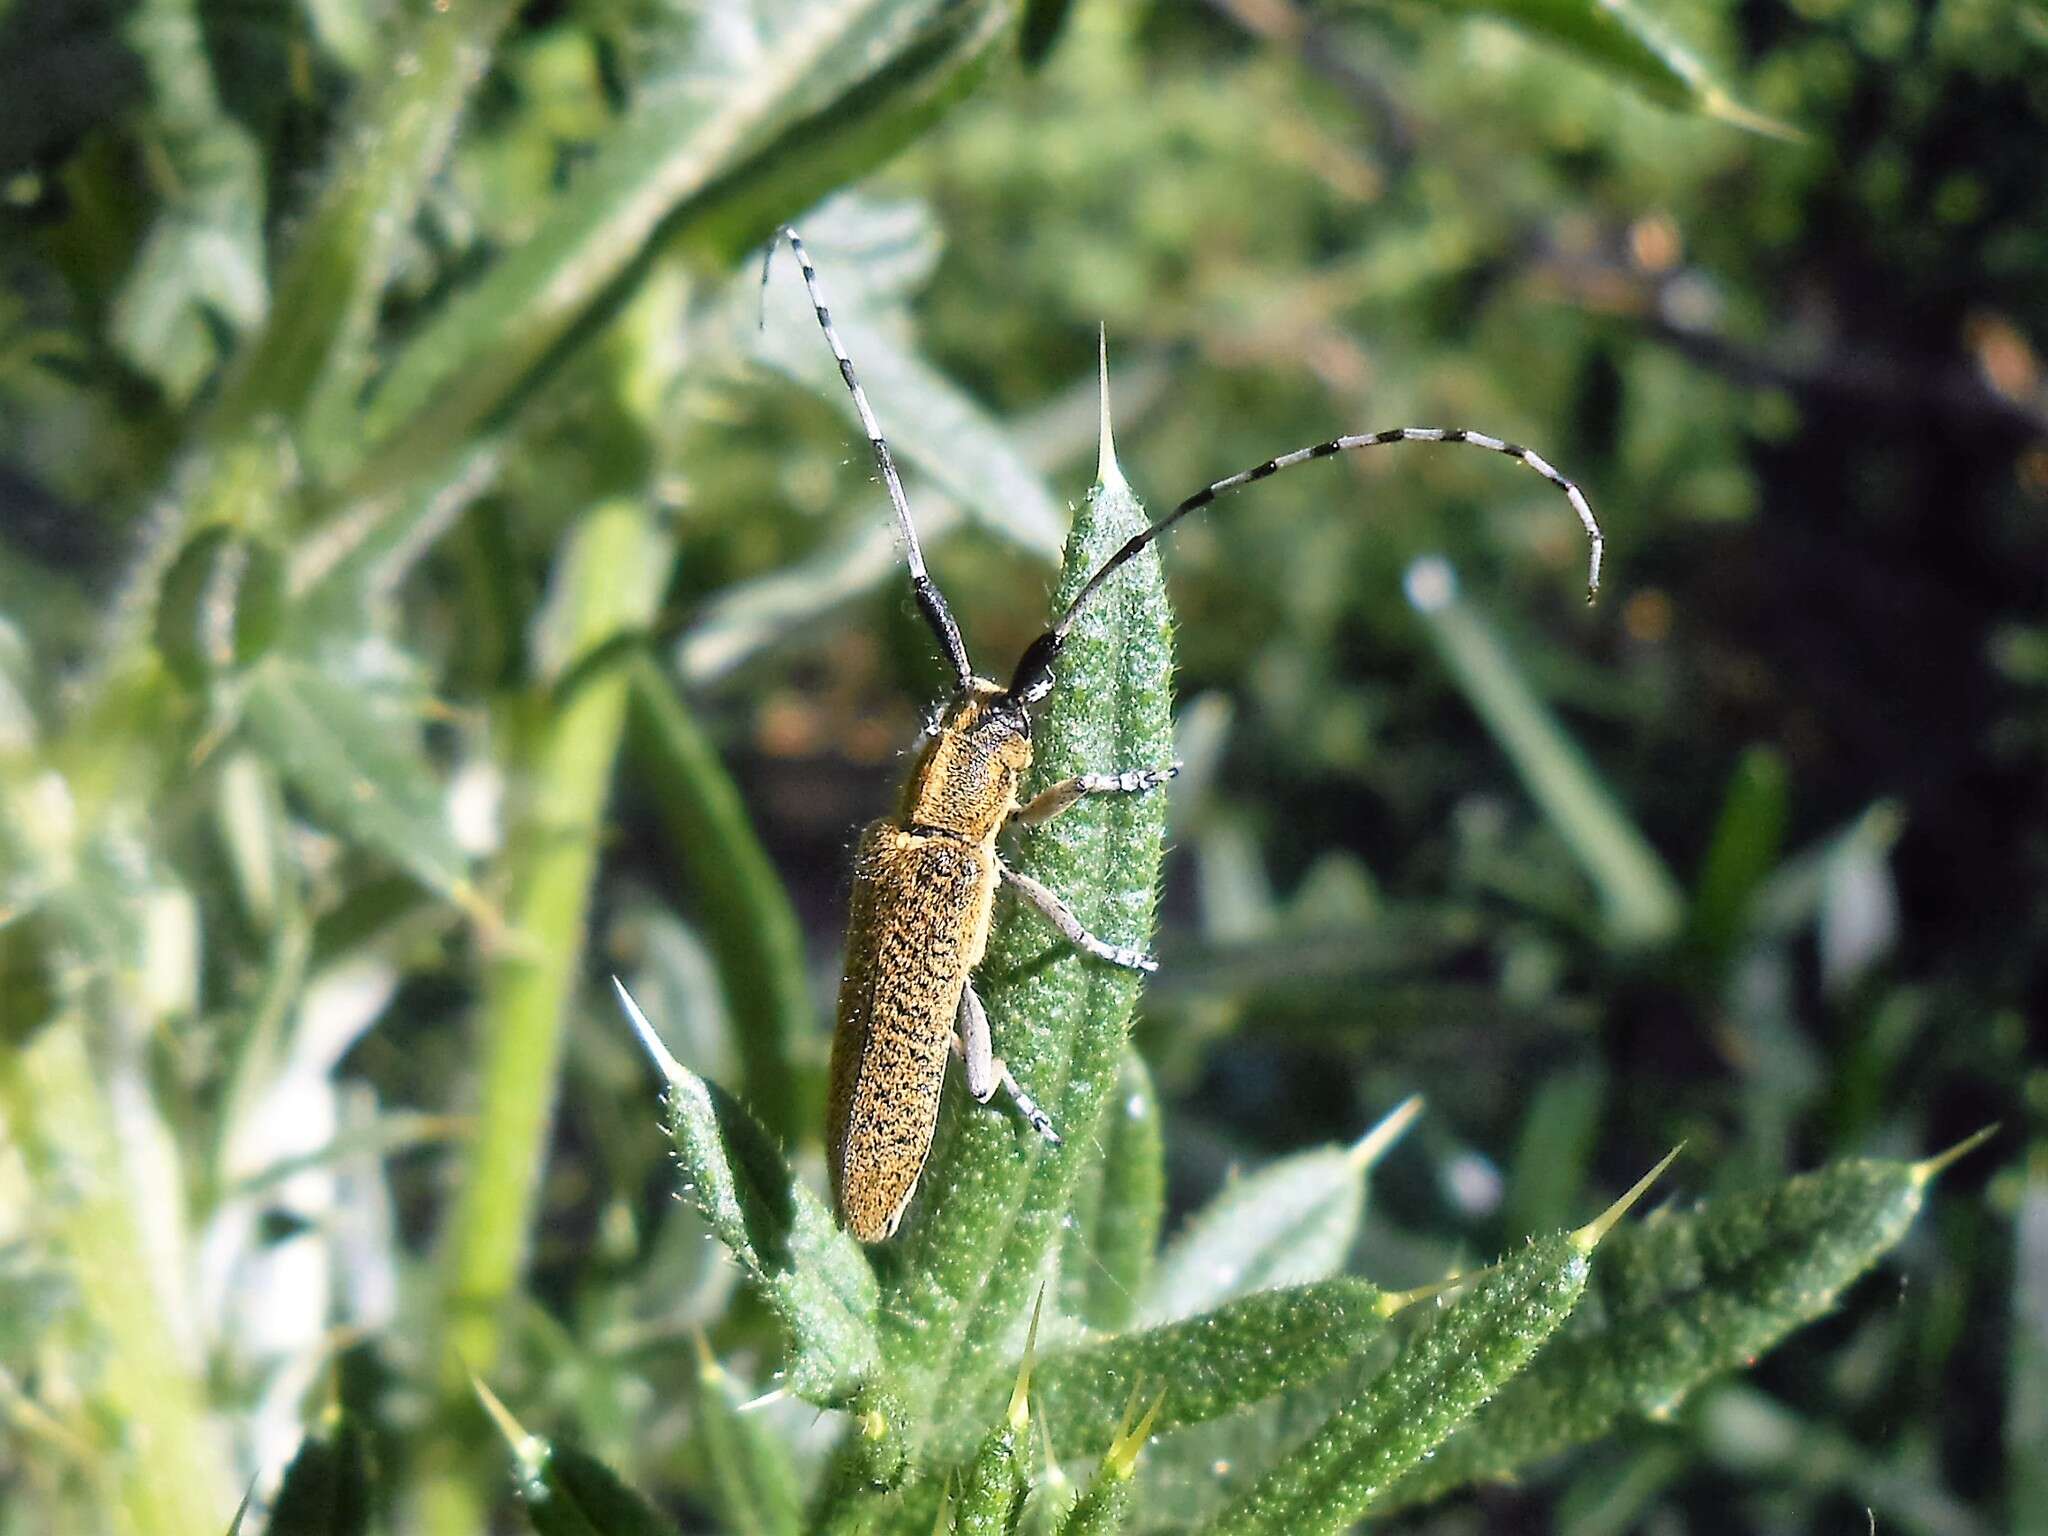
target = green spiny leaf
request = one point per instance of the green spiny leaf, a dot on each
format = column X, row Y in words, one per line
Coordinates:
column 812, row 1274
column 1119, row 1197
column 1292, row 1221
column 326, row 1489
column 1682, row 1298
column 1206, row 1367
column 993, row 1201
column 1437, row 1382
column 753, row 1483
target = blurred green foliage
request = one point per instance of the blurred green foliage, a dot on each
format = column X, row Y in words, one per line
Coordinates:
column 432, row 577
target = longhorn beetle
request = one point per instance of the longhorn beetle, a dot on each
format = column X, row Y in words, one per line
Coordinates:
column 925, row 878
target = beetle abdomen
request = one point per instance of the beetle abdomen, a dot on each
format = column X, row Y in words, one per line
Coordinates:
column 920, row 919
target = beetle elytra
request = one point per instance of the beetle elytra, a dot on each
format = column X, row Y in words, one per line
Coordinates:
column 925, row 877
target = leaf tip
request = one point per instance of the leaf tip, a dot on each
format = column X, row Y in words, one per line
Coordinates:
column 1588, row 1237
column 1122, row 1456
column 1722, row 107
column 1928, row 1169
column 670, row 1068
column 530, row 1450
column 1019, row 1413
column 1391, row 1302
column 1377, row 1142
column 1108, row 473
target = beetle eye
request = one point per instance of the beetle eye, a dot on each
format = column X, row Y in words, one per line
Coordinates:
column 1033, row 678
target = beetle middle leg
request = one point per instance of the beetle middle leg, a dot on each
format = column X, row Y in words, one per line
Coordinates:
column 1076, row 933
column 986, row 1071
column 1063, row 796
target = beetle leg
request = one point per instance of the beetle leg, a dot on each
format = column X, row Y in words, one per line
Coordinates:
column 986, row 1071
column 1049, row 803
column 1062, row 917
column 977, row 1051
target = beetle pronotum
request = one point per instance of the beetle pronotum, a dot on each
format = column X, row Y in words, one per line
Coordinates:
column 925, row 877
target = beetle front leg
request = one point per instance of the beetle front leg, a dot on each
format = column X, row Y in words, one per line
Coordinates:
column 1062, row 917
column 986, row 1071
column 1061, row 797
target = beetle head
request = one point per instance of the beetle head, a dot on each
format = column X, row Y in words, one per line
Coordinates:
column 1033, row 678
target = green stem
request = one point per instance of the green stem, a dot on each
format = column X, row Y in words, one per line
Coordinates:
column 169, row 1476
column 614, row 566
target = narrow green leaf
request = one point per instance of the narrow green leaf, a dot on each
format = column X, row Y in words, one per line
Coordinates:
column 741, row 904
column 1615, row 37
column 1641, row 903
column 358, row 764
column 1119, row 1199
column 1681, row 1298
column 326, row 1489
column 1439, row 1380
column 1211, row 1366
column 753, row 1482
column 812, row 1274
column 1443, row 1375
column 649, row 180
column 1292, row 1221
column 567, row 1492
column 994, row 1198
column 1749, row 837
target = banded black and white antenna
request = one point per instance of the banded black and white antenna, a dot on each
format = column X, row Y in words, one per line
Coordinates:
column 930, row 601
column 1330, row 449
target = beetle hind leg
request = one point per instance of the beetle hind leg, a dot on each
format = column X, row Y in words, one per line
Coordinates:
column 986, row 1071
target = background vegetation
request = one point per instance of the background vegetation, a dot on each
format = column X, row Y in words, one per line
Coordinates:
column 424, row 589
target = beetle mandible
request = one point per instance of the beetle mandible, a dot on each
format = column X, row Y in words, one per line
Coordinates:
column 925, row 877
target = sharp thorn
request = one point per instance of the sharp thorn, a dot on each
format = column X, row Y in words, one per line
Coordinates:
column 1928, row 1169
column 1587, row 1238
